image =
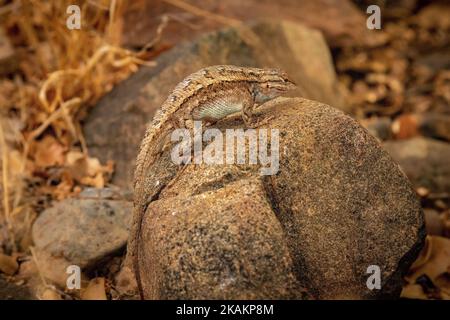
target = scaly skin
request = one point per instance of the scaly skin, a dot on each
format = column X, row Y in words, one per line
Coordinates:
column 209, row 94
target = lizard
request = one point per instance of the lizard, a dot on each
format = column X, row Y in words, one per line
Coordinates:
column 209, row 95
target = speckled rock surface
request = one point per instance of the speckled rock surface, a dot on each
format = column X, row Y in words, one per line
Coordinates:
column 338, row 205
column 83, row 230
column 233, row 248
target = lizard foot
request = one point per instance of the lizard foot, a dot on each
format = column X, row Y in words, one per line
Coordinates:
column 259, row 123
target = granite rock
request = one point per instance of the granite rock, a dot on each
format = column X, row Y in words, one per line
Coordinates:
column 338, row 205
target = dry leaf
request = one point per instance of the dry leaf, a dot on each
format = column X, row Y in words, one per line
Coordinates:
column 64, row 188
column 97, row 182
column 50, row 294
column 93, row 166
column 434, row 264
column 8, row 264
column 49, row 152
column 413, row 291
column 443, row 283
column 434, row 259
column 95, row 290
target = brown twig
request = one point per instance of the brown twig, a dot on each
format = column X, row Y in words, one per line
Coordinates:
column 203, row 13
column 54, row 116
column 98, row 5
column 247, row 34
column 5, row 182
column 159, row 31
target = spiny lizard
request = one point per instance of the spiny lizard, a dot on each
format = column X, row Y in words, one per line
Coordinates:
column 209, row 94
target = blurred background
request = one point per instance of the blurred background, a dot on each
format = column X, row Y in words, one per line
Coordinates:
column 395, row 81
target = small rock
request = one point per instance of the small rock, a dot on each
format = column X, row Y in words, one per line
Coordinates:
column 83, row 231
column 378, row 127
column 424, row 161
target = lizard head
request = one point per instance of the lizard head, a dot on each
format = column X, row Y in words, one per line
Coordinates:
column 273, row 84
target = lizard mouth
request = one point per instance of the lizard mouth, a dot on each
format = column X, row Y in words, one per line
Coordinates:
column 290, row 84
column 284, row 87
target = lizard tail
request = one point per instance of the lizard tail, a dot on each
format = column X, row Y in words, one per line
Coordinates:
column 140, row 210
column 149, row 148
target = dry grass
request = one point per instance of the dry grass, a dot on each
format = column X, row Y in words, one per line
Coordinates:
column 61, row 74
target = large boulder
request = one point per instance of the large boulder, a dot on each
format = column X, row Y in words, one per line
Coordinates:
column 115, row 127
column 337, row 206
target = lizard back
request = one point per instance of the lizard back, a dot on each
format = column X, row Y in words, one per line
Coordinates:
column 201, row 80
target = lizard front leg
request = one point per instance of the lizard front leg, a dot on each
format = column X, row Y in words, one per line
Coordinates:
column 248, row 115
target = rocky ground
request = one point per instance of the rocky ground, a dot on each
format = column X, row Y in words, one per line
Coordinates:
column 339, row 204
